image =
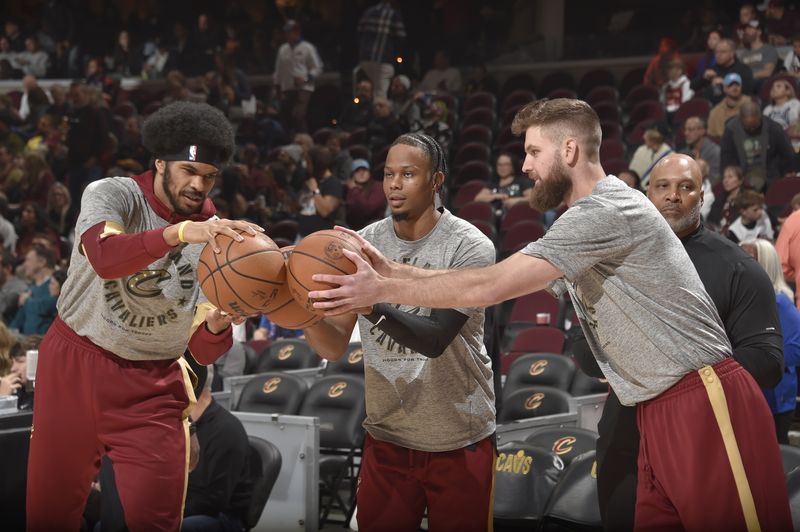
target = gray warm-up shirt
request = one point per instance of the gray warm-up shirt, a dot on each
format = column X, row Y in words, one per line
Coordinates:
column 646, row 315
column 430, row 404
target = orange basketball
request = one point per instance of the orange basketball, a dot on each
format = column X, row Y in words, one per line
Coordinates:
column 284, row 311
column 244, row 277
column 319, row 252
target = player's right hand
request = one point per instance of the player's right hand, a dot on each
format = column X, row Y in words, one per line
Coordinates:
column 379, row 262
column 206, row 232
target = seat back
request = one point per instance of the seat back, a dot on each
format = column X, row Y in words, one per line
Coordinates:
column 479, row 99
column 476, row 210
column 14, row 446
column 265, row 464
column 476, row 133
column 525, row 476
column 583, row 384
column 594, row 79
column 539, row 340
column 288, row 353
column 528, row 306
column 251, row 356
column 535, row 401
column 539, row 369
column 567, row 442
column 472, row 171
column 273, row 393
column 574, row 500
column 790, row 456
column 520, row 212
column 351, row 362
column 793, row 487
column 339, row 403
column 467, row 192
column 520, row 234
column 471, row 151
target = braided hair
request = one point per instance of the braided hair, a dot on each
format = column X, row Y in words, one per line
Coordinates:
column 433, row 150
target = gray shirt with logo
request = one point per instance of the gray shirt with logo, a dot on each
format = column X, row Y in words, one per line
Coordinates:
column 145, row 316
column 430, row 404
column 644, row 310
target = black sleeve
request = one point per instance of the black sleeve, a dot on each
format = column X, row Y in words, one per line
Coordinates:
column 753, row 325
column 582, row 353
column 427, row 335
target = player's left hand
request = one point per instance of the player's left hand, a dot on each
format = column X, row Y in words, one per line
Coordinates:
column 194, row 452
column 355, row 293
column 218, row 320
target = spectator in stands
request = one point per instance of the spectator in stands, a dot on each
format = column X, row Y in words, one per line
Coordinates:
column 760, row 56
column 757, row 144
column 782, row 399
column 753, row 221
column 481, row 81
column 59, row 107
column 206, row 41
column 708, row 59
column 747, row 13
column 631, row 178
column 297, row 65
column 646, row 156
column 269, row 331
column 33, row 61
column 366, row 201
column 159, row 62
column 36, row 180
column 508, row 186
column 434, row 123
column 406, row 106
column 442, row 76
column 8, row 233
column 10, row 381
column 381, row 38
column 788, row 246
column 126, row 59
column 713, row 80
column 322, row 195
column 791, row 62
column 229, row 190
column 32, row 223
column 656, row 74
column 15, row 39
column 781, row 24
column 708, row 189
column 384, row 127
column 342, row 163
column 728, row 107
column 34, row 101
column 677, row 89
column 784, row 108
column 11, row 286
column 699, row 146
column 86, row 141
column 358, row 111
column 723, row 210
column 61, row 213
column 219, row 488
column 37, row 307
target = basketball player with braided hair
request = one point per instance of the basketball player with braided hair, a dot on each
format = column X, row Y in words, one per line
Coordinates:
column 429, row 387
column 110, row 377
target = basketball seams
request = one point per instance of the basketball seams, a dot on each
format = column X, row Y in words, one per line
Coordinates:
column 219, row 269
column 303, row 253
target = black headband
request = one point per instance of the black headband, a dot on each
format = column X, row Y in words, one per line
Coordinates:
column 195, row 153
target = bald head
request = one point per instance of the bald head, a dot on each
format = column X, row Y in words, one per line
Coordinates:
column 750, row 115
column 676, row 191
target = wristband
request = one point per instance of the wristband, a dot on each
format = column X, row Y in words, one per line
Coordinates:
column 181, row 227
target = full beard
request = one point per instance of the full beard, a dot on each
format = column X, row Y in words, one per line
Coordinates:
column 173, row 200
column 683, row 223
column 549, row 193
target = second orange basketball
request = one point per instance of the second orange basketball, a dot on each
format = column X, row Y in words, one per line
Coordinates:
column 319, row 252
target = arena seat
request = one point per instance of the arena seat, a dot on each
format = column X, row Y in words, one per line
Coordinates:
column 273, row 392
column 286, row 229
column 479, row 99
column 251, row 355
column 556, row 80
column 472, row 170
column 517, row 213
column 525, row 308
column 539, row 369
column 472, row 151
column 602, row 94
column 567, row 442
column 595, row 78
column 526, row 476
column 793, row 487
column 480, row 116
column 790, row 456
column 505, row 136
column 476, row 210
column 583, row 384
column 697, row 106
column 520, row 81
column 467, row 192
column 475, row 133
column 535, row 401
column 519, row 235
column 615, row 166
column 638, row 94
column 611, row 149
column 562, row 93
column 573, row 504
column 611, row 129
column 608, row 112
column 646, row 111
column 287, row 353
column 351, row 362
column 486, row 228
column 264, row 467
column 539, row 339
column 781, row 191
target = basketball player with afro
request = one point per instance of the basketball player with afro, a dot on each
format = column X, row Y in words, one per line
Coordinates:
column 429, row 387
column 110, row 376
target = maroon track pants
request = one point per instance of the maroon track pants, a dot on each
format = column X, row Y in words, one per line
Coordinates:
column 709, row 458
column 90, row 402
column 396, row 484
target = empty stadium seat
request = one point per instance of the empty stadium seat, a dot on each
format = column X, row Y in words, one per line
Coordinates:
column 583, row 384
column 539, row 369
column 486, row 228
column 646, row 111
column 519, row 212
column 556, row 80
column 287, row 354
column 573, row 504
column 475, row 133
column 471, row 171
column 273, row 392
column 479, row 99
column 535, row 401
column 264, row 467
column 520, row 81
column 595, row 78
column 611, row 149
column 519, row 235
column 697, row 106
column 567, row 442
column 467, row 192
column 351, row 362
column 608, row 112
column 472, row 151
column 602, row 94
column 611, row 129
column 480, row 116
column 517, row 99
column 476, row 210
column 562, row 93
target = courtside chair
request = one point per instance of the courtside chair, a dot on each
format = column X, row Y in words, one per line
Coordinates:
column 273, row 392
column 350, row 363
column 573, row 504
column 287, row 353
column 790, row 456
column 264, row 467
column 539, row 369
column 594, row 79
column 535, row 401
column 567, row 442
column 583, row 384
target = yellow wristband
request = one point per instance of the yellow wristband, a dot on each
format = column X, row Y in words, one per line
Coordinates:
column 181, row 227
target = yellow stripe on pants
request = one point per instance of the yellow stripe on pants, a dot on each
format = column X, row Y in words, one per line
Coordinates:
column 716, row 395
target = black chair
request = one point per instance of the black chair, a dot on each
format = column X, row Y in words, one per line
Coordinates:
column 14, row 447
column 535, row 401
column 790, row 456
column 351, row 362
column 793, row 487
column 251, row 359
column 573, row 504
column 264, row 467
column 339, row 403
column 273, row 393
column 583, row 384
column 567, row 442
column 524, row 479
column 539, row 369
column 286, row 354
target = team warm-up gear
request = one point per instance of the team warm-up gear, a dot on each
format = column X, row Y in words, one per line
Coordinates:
column 743, row 295
column 427, row 335
column 677, row 371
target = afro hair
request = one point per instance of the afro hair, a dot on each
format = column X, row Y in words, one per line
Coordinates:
column 179, row 124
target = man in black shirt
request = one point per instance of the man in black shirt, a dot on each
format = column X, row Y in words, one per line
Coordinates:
column 745, row 301
column 219, row 489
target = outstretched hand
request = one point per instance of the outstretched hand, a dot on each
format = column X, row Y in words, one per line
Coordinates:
column 218, row 320
column 380, row 263
column 354, row 292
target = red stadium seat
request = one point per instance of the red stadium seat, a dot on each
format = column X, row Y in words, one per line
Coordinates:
column 603, row 93
column 519, row 235
column 467, row 193
column 562, row 93
column 611, row 149
column 556, row 80
column 475, row 133
column 480, row 116
column 518, row 213
column 521, row 81
column 639, row 94
column 697, row 106
column 615, row 166
column 611, row 130
column 539, row 339
column 593, row 79
column 476, row 210
column 517, row 98
column 526, row 307
column 631, row 79
column 780, row 192
column 472, row 151
column 608, row 112
column 471, row 171
column 486, row 228
column 646, row 111
column 479, row 99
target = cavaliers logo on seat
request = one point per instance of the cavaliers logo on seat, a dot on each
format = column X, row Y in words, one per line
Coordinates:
column 534, row 401
column 564, row 445
column 355, row 356
column 271, row 385
column 337, row 389
column 537, row 368
column 286, row 352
